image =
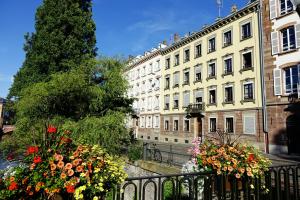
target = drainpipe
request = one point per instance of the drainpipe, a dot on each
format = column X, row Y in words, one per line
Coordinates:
column 262, row 77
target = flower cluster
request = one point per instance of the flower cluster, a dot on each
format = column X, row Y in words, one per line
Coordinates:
column 230, row 159
column 61, row 167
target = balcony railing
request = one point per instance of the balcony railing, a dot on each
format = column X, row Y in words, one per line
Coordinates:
column 196, row 107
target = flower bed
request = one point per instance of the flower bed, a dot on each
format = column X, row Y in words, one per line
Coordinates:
column 60, row 167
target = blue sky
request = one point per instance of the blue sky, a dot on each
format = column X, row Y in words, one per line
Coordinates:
column 124, row 27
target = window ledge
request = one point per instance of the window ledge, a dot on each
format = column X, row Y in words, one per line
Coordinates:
column 167, row 68
column 283, row 15
column 197, row 56
column 228, row 73
column 246, row 38
column 176, row 86
column 247, row 100
column 176, row 65
column 187, row 83
column 246, row 69
column 228, row 102
column 176, row 108
column 227, row 45
column 211, row 104
column 211, row 77
column 287, row 52
column 185, row 61
column 198, row 81
column 211, row 51
column 167, row 88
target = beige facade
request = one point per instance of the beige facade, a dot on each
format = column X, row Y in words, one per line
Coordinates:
column 217, row 71
column 209, row 80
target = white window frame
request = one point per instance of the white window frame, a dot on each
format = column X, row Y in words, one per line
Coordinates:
column 252, row 59
column 289, row 47
column 233, row 123
column 210, row 89
column 224, row 63
column 208, row 69
column 225, row 44
column 209, row 124
column 183, row 125
column 253, row 88
column 166, row 119
column 201, row 75
column 284, row 77
column 175, row 119
column 241, row 28
column 224, row 97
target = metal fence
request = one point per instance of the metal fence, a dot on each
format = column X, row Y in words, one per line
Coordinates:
column 279, row 183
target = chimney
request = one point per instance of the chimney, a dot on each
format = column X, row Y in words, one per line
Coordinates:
column 233, row 8
column 176, row 37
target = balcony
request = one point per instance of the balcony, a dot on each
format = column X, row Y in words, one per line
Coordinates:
column 195, row 109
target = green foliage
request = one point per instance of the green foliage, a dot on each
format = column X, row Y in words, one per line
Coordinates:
column 135, row 151
column 89, row 100
column 64, row 39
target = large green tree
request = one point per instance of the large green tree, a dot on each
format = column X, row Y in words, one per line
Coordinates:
column 64, row 38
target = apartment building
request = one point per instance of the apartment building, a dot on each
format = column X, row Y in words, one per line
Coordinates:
column 211, row 80
column 282, row 74
column 144, row 76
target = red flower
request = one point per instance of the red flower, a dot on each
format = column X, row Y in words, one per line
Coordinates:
column 70, row 189
column 32, row 150
column 37, row 159
column 13, row 186
column 51, row 129
column 10, row 156
column 251, row 157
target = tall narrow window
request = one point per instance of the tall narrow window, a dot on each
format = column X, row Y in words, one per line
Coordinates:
column 198, row 49
column 246, row 30
column 176, row 101
column 229, row 124
column 211, row 70
column 186, row 77
column 186, row 99
column 247, row 60
column 176, row 61
column 288, row 38
column 198, row 96
column 176, row 79
column 227, row 39
column 166, row 125
column 168, row 63
column 285, row 6
column 175, row 125
column 167, row 102
column 186, row 55
column 211, row 45
column 292, row 79
column 228, row 66
column 212, row 125
column 167, row 82
column 198, row 73
column 248, row 91
column 186, row 125
column 212, row 96
column 228, row 94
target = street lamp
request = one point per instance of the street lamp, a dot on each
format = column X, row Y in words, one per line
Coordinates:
column 297, row 4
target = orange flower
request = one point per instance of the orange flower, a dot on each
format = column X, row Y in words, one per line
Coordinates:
column 237, row 175
column 75, row 162
column 24, row 181
column 230, row 168
column 13, row 186
column 63, row 175
column 68, row 166
column 70, row 189
column 249, row 173
column 79, row 168
column 75, row 154
column 32, row 166
column 58, row 157
column 12, row 179
column 52, row 167
column 60, row 164
column 70, row 172
column 248, row 169
column 241, row 170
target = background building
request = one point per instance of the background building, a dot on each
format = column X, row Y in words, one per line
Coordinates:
column 282, row 74
column 144, row 77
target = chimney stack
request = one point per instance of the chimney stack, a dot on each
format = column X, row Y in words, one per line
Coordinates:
column 176, row 37
column 233, row 8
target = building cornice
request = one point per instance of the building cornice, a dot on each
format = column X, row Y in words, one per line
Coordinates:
column 144, row 59
column 215, row 26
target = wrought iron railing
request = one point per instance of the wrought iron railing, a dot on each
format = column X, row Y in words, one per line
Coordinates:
column 280, row 183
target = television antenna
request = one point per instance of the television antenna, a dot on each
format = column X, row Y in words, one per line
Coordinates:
column 220, row 6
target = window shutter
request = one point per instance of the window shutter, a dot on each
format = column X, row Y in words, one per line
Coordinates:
column 186, row 99
column 277, row 81
column 297, row 31
column 249, row 124
column 275, row 43
column 273, row 9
